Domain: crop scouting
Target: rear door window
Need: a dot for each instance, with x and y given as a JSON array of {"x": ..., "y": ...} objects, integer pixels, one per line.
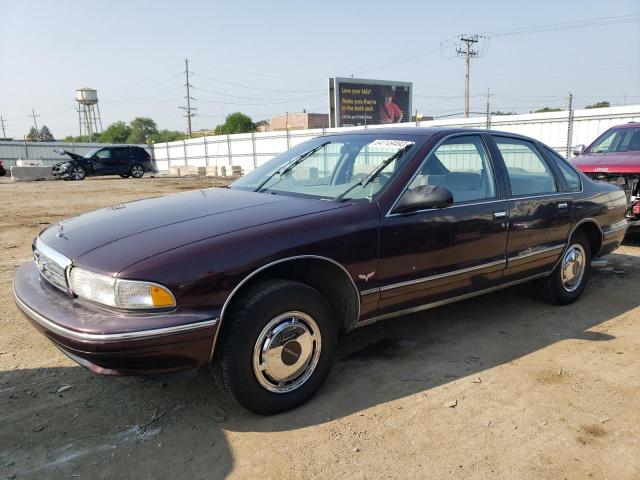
[{"x": 528, "y": 172}]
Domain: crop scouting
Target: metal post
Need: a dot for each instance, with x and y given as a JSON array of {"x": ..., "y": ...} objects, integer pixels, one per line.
[
  {"x": 488, "y": 112},
  {"x": 570, "y": 126},
  {"x": 206, "y": 150},
  {"x": 253, "y": 147},
  {"x": 229, "y": 150},
  {"x": 166, "y": 145},
  {"x": 26, "y": 148},
  {"x": 184, "y": 149},
  {"x": 288, "y": 134}
]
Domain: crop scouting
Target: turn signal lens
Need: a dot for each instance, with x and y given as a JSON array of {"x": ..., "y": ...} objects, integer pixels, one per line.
[{"x": 161, "y": 297}]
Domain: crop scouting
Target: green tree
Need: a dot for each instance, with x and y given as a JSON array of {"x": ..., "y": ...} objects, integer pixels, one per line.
[
  {"x": 33, "y": 135},
  {"x": 165, "y": 135},
  {"x": 235, "y": 123},
  {"x": 141, "y": 129},
  {"x": 117, "y": 132},
  {"x": 548, "y": 109},
  {"x": 46, "y": 135},
  {"x": 602, "y": 104}
]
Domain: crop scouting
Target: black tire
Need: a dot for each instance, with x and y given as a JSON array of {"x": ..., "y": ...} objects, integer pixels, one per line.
[
  {"x": 125, "y": 175},
  {"x": 235, "y": 352},
  {"x": 78, "y": 173},
  {"x": 137, "y": 171},
  {"x": 554, "y": 289}
]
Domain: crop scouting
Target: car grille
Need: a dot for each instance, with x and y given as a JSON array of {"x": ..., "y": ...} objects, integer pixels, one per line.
[{"x": 51, "y": 270}]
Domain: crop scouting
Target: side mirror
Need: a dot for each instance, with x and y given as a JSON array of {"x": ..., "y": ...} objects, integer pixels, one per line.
[
  {"x": 578, "y": 150},
  {"x": 421, "y": 198}
]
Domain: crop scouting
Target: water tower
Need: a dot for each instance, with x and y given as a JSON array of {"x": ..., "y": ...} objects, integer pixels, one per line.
[{"x": 88, "y": 111}]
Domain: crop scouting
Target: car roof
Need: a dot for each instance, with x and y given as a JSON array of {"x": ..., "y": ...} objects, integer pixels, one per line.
[
  {"x": 626, "y": 125},
  {"x": 426, "y": 131}
]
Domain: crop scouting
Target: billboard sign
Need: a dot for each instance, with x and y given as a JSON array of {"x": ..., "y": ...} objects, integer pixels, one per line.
[{"x": 358, "y": 101}]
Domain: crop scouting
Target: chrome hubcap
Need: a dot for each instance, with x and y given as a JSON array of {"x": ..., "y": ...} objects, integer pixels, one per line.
[
  {"x": 287, "y": 352},
  {"x": 573, "y": 267},
  {"x": 136, "y": 171}
]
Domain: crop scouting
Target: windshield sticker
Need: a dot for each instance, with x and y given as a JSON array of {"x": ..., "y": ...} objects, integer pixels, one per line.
[{"x": 391, "y": 143}]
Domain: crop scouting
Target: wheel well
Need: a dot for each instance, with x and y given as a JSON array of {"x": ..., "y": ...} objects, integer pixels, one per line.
[
  {"x": 594, "y": 234},
  {"x": 331, "y": 280}
]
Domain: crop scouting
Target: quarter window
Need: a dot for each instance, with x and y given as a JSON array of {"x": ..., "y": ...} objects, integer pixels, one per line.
[
  {"x": 461, "y": 165},
  {"x": 570, "y": 175},
  {"x": 528, "y": 172}
]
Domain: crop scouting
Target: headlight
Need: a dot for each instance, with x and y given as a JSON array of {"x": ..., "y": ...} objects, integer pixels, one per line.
[
  {"x": 65, "y": 165},
  {"x": 114, "y": 292}
]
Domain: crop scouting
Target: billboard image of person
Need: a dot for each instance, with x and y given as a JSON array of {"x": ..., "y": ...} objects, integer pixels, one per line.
[{"x": 388, "y": 111}]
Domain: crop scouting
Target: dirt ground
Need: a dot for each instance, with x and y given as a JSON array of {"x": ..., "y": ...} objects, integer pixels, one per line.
[{"x": 501, "y": 386}]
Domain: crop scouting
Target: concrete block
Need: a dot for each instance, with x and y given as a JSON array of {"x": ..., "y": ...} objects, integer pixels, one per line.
[{"x": 30, "y": 174}]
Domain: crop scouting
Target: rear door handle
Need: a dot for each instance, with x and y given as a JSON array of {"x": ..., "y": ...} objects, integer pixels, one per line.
[{"x": 499, "y": 215}]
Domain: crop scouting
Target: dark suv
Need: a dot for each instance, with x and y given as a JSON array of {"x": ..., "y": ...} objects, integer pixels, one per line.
[{"x": 126, "y": 161}]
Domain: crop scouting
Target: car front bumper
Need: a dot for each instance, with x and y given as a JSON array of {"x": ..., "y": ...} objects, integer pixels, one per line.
[{"x": 114, "y": 343}]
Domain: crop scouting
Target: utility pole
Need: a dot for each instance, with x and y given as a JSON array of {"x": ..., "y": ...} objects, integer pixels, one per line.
[
  {"x": 466, "y": 49},
  {"x": 34, "y": 116},
  {"x": 188, "y": 109},
  {"x": 570, "y": 126},
  {"x": 4, "y": 134}
]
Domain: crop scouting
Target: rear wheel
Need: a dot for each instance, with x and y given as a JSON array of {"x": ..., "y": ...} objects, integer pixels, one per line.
[
  {"x": 137, "y": 171},
  {"x": 278, "y": 348},
  {"x": 78, "y": 173},
  {"x": 569, "y": 279}
]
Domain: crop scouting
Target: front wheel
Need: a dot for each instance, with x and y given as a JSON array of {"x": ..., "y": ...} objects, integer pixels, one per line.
[
  {"x": 278, "y": 348},
  {"x": 569, "y": 279},
  {"x": 78, "y": 173},
  {"x": 137, "y": 171}
]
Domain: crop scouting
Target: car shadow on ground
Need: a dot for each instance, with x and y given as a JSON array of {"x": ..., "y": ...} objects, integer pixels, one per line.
[{"x": 105, "y": 427}]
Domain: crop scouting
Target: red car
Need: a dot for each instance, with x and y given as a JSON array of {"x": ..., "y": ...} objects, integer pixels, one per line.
[{"x": 614, "y": 157}]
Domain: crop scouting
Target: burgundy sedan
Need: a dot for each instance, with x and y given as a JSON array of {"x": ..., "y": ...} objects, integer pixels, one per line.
[{"x": 261, "y": 279}]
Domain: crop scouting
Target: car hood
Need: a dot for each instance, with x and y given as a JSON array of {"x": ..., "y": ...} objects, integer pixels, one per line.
[
  {"x": 110, "y": 239},
  {"x": 73, "y": 156},
  {"x": 616, "y": 162}
]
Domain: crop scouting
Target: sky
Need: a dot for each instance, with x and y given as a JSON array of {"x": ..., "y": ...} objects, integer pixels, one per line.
[{"x": 266, "y": 58}]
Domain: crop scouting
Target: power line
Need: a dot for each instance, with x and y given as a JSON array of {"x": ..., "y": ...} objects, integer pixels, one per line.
[{"x": 586, "y": 23}]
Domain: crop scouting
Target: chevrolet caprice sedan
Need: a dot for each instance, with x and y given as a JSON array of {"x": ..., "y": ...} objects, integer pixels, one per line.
[{"x": 262, "y": 278}]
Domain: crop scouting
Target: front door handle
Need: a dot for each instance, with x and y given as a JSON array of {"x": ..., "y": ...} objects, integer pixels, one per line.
[
  {"x": 499, "y": 215},
  {"x": 563, "y": 206}
]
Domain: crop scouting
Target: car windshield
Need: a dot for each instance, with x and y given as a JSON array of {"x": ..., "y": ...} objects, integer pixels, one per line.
[
  {"x": 621, "y": 140},
  {"x": 91, "y": 153},
  {"x": 333, "y": 167}
]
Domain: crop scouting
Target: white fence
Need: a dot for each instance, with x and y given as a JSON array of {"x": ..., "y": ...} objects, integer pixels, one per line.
[
  {"x": 250, "y": 150},
  {"x": 12, "y": 150}
]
